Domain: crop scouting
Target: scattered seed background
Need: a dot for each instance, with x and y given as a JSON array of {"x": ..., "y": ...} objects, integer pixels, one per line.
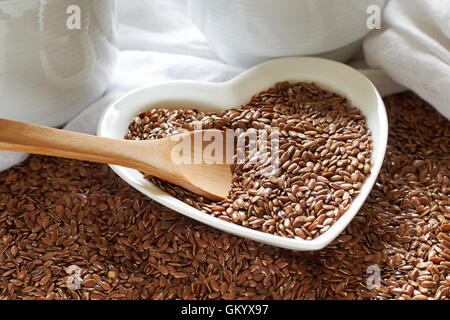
[{"x": 55, "y": 213}]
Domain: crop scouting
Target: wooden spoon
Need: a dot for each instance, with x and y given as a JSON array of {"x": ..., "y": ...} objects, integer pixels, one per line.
[{"x": 152, "y": 157}]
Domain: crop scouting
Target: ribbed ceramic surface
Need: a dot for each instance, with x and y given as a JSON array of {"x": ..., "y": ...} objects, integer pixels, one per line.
[
  {"x": 49, "y": 72},
  {"x": 270, "y": 28}
]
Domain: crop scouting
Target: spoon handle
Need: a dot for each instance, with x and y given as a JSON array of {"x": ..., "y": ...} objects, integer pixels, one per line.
[{"x": 29, "y": 138}]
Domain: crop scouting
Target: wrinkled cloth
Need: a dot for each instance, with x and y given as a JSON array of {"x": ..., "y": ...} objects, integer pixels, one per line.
[
  {"x": 413, "y": 48},
  {"x": 158, "y": 43}
]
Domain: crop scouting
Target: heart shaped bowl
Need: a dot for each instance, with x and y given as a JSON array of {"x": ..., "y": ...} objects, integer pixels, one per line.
[{"x": 330, "y": 75}]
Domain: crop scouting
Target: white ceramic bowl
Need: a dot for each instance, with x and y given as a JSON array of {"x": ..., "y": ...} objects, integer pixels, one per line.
[
  {"x": 246, "y": 32},
  {"x": 49, "y": 69},
  {"x": 335, "y": 76}
]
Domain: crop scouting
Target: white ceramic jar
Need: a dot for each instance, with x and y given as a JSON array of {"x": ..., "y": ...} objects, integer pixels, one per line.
[
  {"x": 56, "y": 57},
  {"x": 247, "y": 32}
]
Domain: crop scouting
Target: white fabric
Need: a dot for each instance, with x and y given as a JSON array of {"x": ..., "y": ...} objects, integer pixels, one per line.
[
  {"x": 413, "y": 47},
  {"x": 159, "y": 43}
]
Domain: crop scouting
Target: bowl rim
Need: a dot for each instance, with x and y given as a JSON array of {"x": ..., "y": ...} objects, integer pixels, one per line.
[{"x": 116, "y": 108}]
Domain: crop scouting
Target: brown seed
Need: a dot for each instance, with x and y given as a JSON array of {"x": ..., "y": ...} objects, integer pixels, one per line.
[
  {"x": 179, "y": 275},
  {"x": 45, "y": 279},
  {"x": 105, "y": 285},
  {"x": 89, "y": 283},
  {"x": 214, "y": 286}
]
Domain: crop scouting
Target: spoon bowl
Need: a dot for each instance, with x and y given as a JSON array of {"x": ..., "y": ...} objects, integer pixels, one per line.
[{"x": 208, "y": 97}]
